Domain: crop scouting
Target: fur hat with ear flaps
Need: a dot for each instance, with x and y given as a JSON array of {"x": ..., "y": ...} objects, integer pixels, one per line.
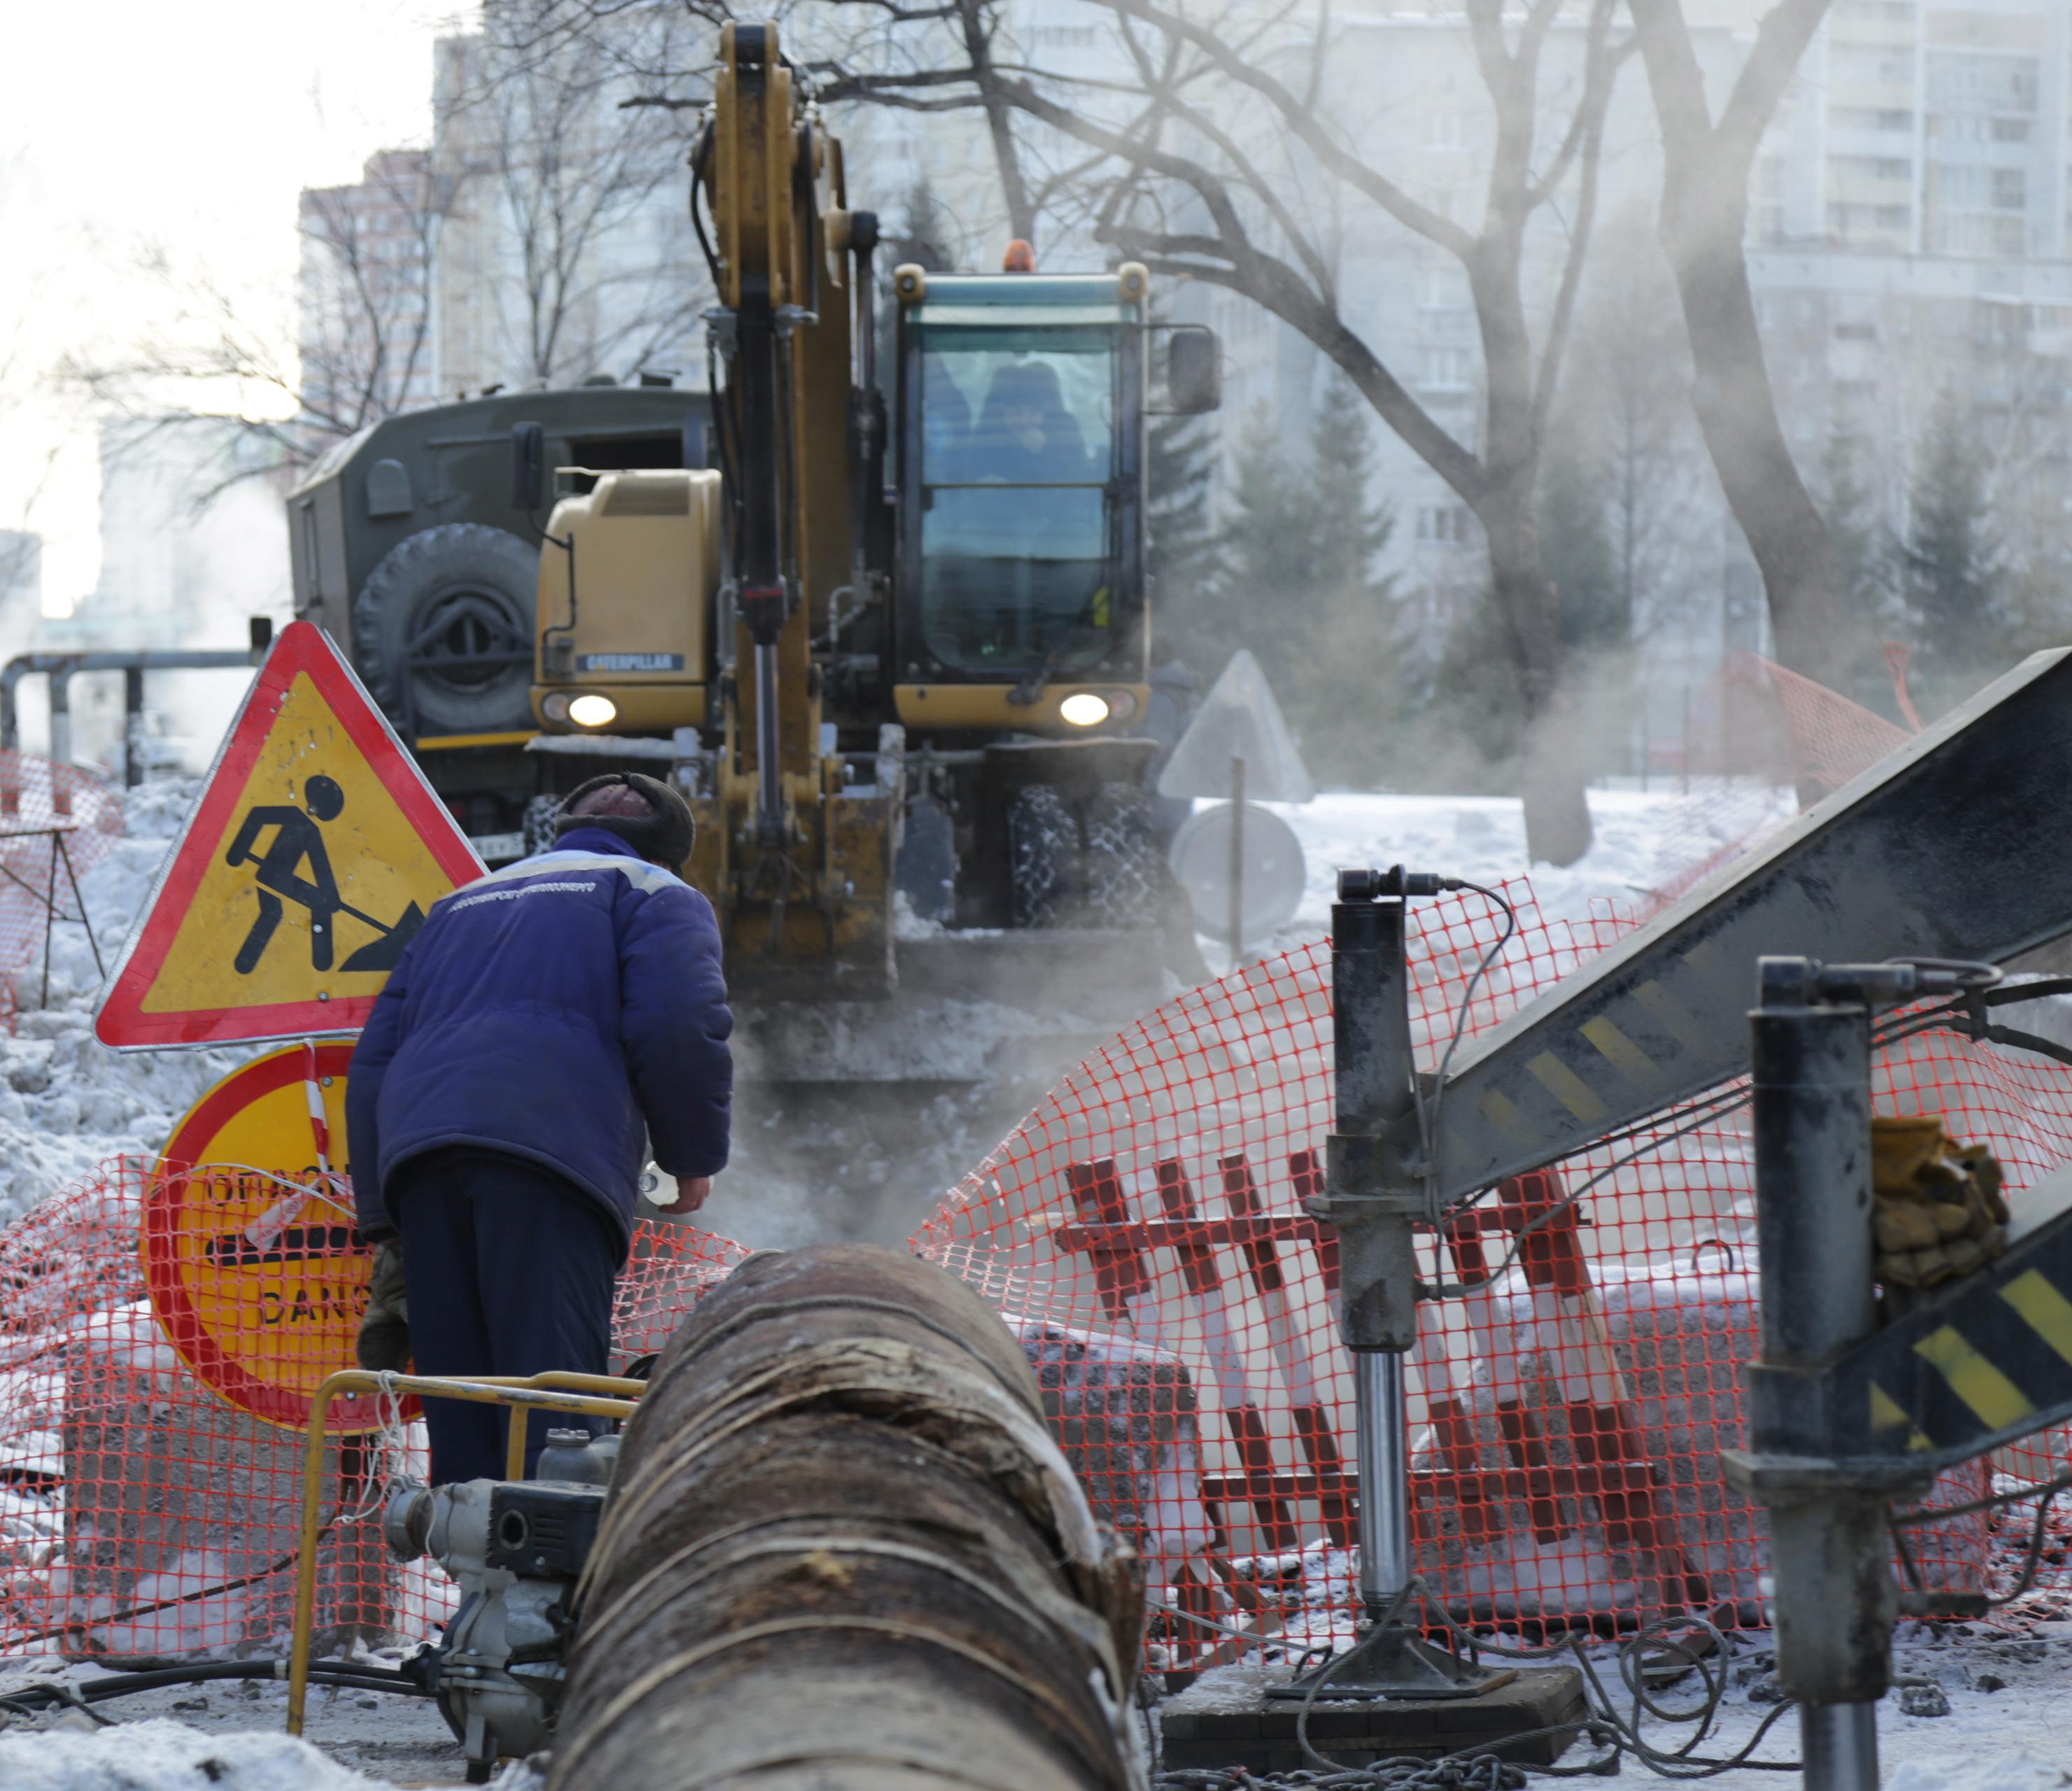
[{"x": 646, "y": 814}]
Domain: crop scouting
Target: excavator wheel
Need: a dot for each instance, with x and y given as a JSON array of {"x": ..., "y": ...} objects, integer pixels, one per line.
[
  {"x": 1125, "y": 884},
  {"x": 1043, "y": 857},
  {"x": 539, "y": 823}
]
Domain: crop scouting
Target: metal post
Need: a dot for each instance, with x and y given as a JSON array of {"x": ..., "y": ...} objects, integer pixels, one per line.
[
  {"x": 60, "y": 682},
  {"x": 133, "y": 726},
  {"x": 1838, "y": 1745},
  {"x": 1373, "y": 1196},
  {"x": 1237, "y": 861},
  {"x": 1810, "y": 1057},
  {"x": 1384, "y": 1478}
]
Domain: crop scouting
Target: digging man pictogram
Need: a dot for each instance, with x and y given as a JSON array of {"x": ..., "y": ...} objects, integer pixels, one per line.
[{"x": 298, "y": 840}]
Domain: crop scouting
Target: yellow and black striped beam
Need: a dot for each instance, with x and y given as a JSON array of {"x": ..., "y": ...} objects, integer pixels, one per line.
[
  {"x": 1986, "y": 1361},
  {"x": 1938, "y": 851}
]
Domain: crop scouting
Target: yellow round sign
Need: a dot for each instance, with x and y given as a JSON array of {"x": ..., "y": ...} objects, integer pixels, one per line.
[{"x": 248, "y": 1247}]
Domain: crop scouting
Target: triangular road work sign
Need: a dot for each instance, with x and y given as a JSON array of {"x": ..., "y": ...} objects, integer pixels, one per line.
[
  {"x": 1237, "y": 719},
  {"x": 311, "y": 859}
]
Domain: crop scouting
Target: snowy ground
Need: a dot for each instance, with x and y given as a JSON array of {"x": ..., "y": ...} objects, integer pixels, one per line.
[
  {"x": 65, "y": 1103},
  {"x": 2003, "y": 1725},
  {"x": 1481, "y": 839}
]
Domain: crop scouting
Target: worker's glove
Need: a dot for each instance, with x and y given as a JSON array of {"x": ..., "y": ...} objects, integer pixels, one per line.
[
  {"x": 384, "y": 1332},
  {"x": 1937, "y": 1213}
]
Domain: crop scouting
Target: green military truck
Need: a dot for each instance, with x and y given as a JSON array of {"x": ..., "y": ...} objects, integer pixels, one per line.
[{"x": 409, "y": 547}]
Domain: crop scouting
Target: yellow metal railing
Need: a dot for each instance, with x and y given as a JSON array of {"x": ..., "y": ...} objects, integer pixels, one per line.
[{"x": 588, "y": 1395}]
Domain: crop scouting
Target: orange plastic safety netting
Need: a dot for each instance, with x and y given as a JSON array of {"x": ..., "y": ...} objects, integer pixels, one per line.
[
  {"x": 1142, "y": 1231},
  {"x": 143, "y": 1515},
  {"x": 56, "y": 823}
]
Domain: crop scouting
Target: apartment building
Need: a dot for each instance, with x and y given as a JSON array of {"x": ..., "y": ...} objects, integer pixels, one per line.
[{"x": 364, "y": 327}]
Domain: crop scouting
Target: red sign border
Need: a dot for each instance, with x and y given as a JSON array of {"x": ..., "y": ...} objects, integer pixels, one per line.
[
  {"x": 300, "y": 648},
  {"x": 172, "y": 1304}
]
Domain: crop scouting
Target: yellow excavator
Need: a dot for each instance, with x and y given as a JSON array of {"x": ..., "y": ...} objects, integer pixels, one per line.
[
  {"x": 885, "y": 649},
  {"x": 952, "y": 663}
]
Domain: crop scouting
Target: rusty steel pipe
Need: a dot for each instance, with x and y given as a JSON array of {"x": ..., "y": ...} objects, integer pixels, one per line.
[{"x": 842, "y": 1553}]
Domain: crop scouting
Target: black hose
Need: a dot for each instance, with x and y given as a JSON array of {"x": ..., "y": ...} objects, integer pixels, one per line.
[{"x": 42, "y": 1694}]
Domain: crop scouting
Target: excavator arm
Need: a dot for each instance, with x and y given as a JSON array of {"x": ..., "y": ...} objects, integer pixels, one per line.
[
  {"x": 801, "y": 858},
  {"x": 1950, "y": 848}
]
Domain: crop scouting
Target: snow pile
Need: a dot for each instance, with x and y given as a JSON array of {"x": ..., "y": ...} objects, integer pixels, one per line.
[
  {"x": 67, "y": 1102},
  {"x": 163, "y": 1755},
  {"x": 1643, "y": 841}
]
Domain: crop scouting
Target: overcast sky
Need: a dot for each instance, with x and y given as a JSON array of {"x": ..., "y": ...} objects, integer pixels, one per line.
[{"x": 194, "y": 124}]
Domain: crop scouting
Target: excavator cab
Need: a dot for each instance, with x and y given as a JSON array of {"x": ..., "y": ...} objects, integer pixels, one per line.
[
  {"x": 1018, "y": 582},
  {"x": 905, "y": 664}
]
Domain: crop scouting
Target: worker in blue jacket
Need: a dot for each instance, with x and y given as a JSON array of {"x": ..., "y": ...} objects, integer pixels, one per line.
[{"x": 551, "y": 1025}]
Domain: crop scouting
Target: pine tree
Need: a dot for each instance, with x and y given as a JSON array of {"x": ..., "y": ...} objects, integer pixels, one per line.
[
  {"x": 1296, "y": 585},
  {"x": 928, "y": 236},
  {"x": 1181, "y": 547},
  {"x": 1596, "y": 607},
  {"x": 1352, "y": 530},
  {"x": 1950, "y": 566},
  {"x": 1860, "y": 567}
]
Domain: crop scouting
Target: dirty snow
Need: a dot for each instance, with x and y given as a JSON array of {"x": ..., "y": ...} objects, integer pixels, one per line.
[{"x": 159, "y": 1755}]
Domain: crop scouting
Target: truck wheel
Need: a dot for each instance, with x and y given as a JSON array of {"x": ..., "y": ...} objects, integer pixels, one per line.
[
  {"x": 1043, "y": 854},
  {"x": 437, "y": 599},
  {"x": 1124, "y": 887}
]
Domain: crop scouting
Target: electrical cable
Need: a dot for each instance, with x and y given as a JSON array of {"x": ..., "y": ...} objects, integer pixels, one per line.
[
  {"x": 2045, "y": 1492},
  {"x": 1696, "y": 1641},
  {"x": 29, "y": 1698},
  {"x": 1940, "y": 1514},
  {"x": 1427, "y": 1124}
]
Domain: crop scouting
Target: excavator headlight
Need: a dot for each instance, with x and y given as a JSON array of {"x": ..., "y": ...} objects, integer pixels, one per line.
[
  {"x": 1084, "y": 709},
  {"x": 593, "y": 709}
]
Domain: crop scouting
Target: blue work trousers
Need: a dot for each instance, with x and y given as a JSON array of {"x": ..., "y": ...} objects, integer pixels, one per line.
[{"x": 510, "y": 1270}]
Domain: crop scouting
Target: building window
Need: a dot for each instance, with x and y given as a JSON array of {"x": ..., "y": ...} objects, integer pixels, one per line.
[
  {"x": 1443, "y": 524},
  {"x": 1445, "y": 368},
  {"x": 1982, "y": 82},
  {"x": 1856, "y": 332},
  {"x": 1451, "y": 129}
]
